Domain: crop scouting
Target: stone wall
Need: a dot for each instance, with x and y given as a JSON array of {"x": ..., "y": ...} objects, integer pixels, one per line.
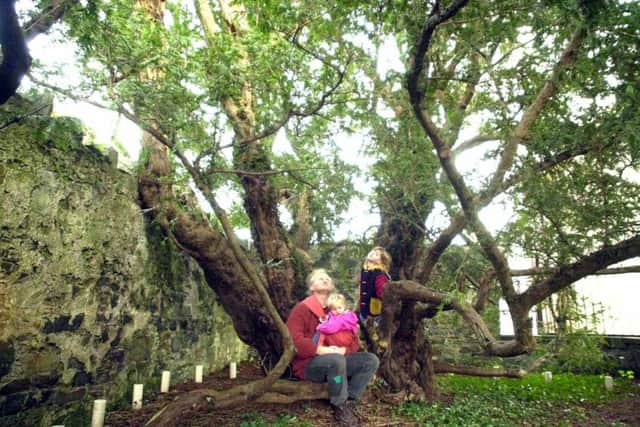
[{"x": 92, "y": 298}]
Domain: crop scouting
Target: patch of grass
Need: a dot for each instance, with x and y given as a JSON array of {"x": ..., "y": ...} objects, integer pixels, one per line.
[{"x": 508, "y": 402}]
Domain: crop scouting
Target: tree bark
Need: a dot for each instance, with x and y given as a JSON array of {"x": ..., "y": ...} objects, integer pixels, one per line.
[
  {"x": 269, "y": 235},
  {"x": 407, "y": 361},
  {"x": 401, "y": 233},
  {"x": 51, "y": 14},
  {"x": 590, "y": 264},
  {"x": 281, "y": 392}
]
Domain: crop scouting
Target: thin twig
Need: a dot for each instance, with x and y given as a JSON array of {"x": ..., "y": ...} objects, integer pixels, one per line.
[{"x": 19, "y": 118}]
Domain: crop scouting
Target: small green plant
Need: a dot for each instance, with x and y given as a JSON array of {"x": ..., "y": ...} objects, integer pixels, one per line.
[{"x": 626, "y": 374}]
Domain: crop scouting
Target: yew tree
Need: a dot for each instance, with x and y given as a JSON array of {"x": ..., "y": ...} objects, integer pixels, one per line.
[
  {"x": 548, "y": 91},
  {"x": 543, "y": 95}
]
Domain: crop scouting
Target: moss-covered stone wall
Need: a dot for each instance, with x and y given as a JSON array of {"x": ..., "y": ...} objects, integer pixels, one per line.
[{"x": 92, "y": 298}]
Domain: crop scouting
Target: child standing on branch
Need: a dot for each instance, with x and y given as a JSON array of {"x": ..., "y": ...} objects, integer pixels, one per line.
[
  {"x": 341, "y": 327},
  {"x": 373, "y": 278}
]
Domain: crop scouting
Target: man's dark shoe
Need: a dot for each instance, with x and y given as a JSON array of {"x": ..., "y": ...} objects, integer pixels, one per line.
[
  {"x": 354, "y": 408},
  {"x": 344, "y": 415}
]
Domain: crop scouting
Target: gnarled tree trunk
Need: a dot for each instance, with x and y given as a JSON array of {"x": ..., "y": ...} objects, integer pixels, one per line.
[
  {"x": 407, "y": 363},
  {"x": 283, "y": 269},
  {"x": 401, "y": 233},
  {"x": 210, "y": 249}
]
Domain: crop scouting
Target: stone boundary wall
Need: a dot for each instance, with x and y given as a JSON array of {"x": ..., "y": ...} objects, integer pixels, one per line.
[{"x": 92, "y": 298}]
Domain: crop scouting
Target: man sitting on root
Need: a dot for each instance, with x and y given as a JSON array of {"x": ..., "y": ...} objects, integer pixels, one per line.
[{"x": 346, "y": 370}]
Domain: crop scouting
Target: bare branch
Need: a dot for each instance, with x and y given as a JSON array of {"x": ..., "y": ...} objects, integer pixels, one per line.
[
  {"x": 438, "y": 247},
  {"x": 407, "y": 290},
  {"x": 455, "y": 123},
  {"x": 474, "y": 142},
  {"x": 482, "y": 297},
  {"x": 261, "y": 173},
  {"x": 586, "y": 266},
  {"x": 436, "y": 18},
  {"x": 283, "y": 392},
  {"x": 46, "y": 18},
  {"x": 545, "y": 271},
  {"x": 446, "y": 368},
  {"x": 22, "y": 117}
]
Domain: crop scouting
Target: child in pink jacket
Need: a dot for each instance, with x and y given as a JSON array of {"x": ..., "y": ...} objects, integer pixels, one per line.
[{"x": 341, "y": 327}]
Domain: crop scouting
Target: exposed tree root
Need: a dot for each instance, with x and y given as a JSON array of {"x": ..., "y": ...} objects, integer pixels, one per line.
[
  {"x": 446, "y": 368},
  {"x": 443, "y": 367},
  {"x": 284, "y": 392}
]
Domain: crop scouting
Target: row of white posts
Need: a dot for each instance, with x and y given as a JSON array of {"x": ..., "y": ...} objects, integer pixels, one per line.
[
  {"x": 608, "y": 380},
  {"x": 100, "y": 405}
]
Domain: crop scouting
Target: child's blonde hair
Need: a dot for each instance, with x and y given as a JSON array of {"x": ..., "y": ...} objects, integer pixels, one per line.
[
  {"x": 385, "y": 258},
  {"x": 336, "y": 300}
]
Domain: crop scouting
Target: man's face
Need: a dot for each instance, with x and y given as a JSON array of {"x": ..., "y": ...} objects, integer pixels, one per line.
[{"x": 321, "y": 282}]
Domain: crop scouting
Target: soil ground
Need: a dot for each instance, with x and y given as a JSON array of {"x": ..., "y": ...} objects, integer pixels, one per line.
[{"x": 375, "y": 409}]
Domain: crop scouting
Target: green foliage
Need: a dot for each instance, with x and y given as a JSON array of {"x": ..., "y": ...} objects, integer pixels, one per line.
[
  {"x": 508, "y": 402},
  {"x": 589, "y": 202},
  {"x": 628, "y": 374},
  {"x": 315, "y": 167},
  {"x": 178, "y": 78},
  {"x": 580, "y": 351},
  {"x": 238, "y": 217}
]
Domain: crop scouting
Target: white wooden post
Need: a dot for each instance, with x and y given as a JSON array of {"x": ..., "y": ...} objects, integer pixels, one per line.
[
  {"x": 166, "y": 380},
  {"x": 99, "y": 409},
  {"x": 608, "y": 383},
  {"x": 233, "y": 370},
  {"x": 137, "y": 396},
  {"x": 198, "y": 373},
  {"x": 548, "y": 376}
]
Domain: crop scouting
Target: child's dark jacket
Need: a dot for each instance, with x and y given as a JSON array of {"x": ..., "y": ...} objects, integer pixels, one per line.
[{"x": 372, "y": 283}]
